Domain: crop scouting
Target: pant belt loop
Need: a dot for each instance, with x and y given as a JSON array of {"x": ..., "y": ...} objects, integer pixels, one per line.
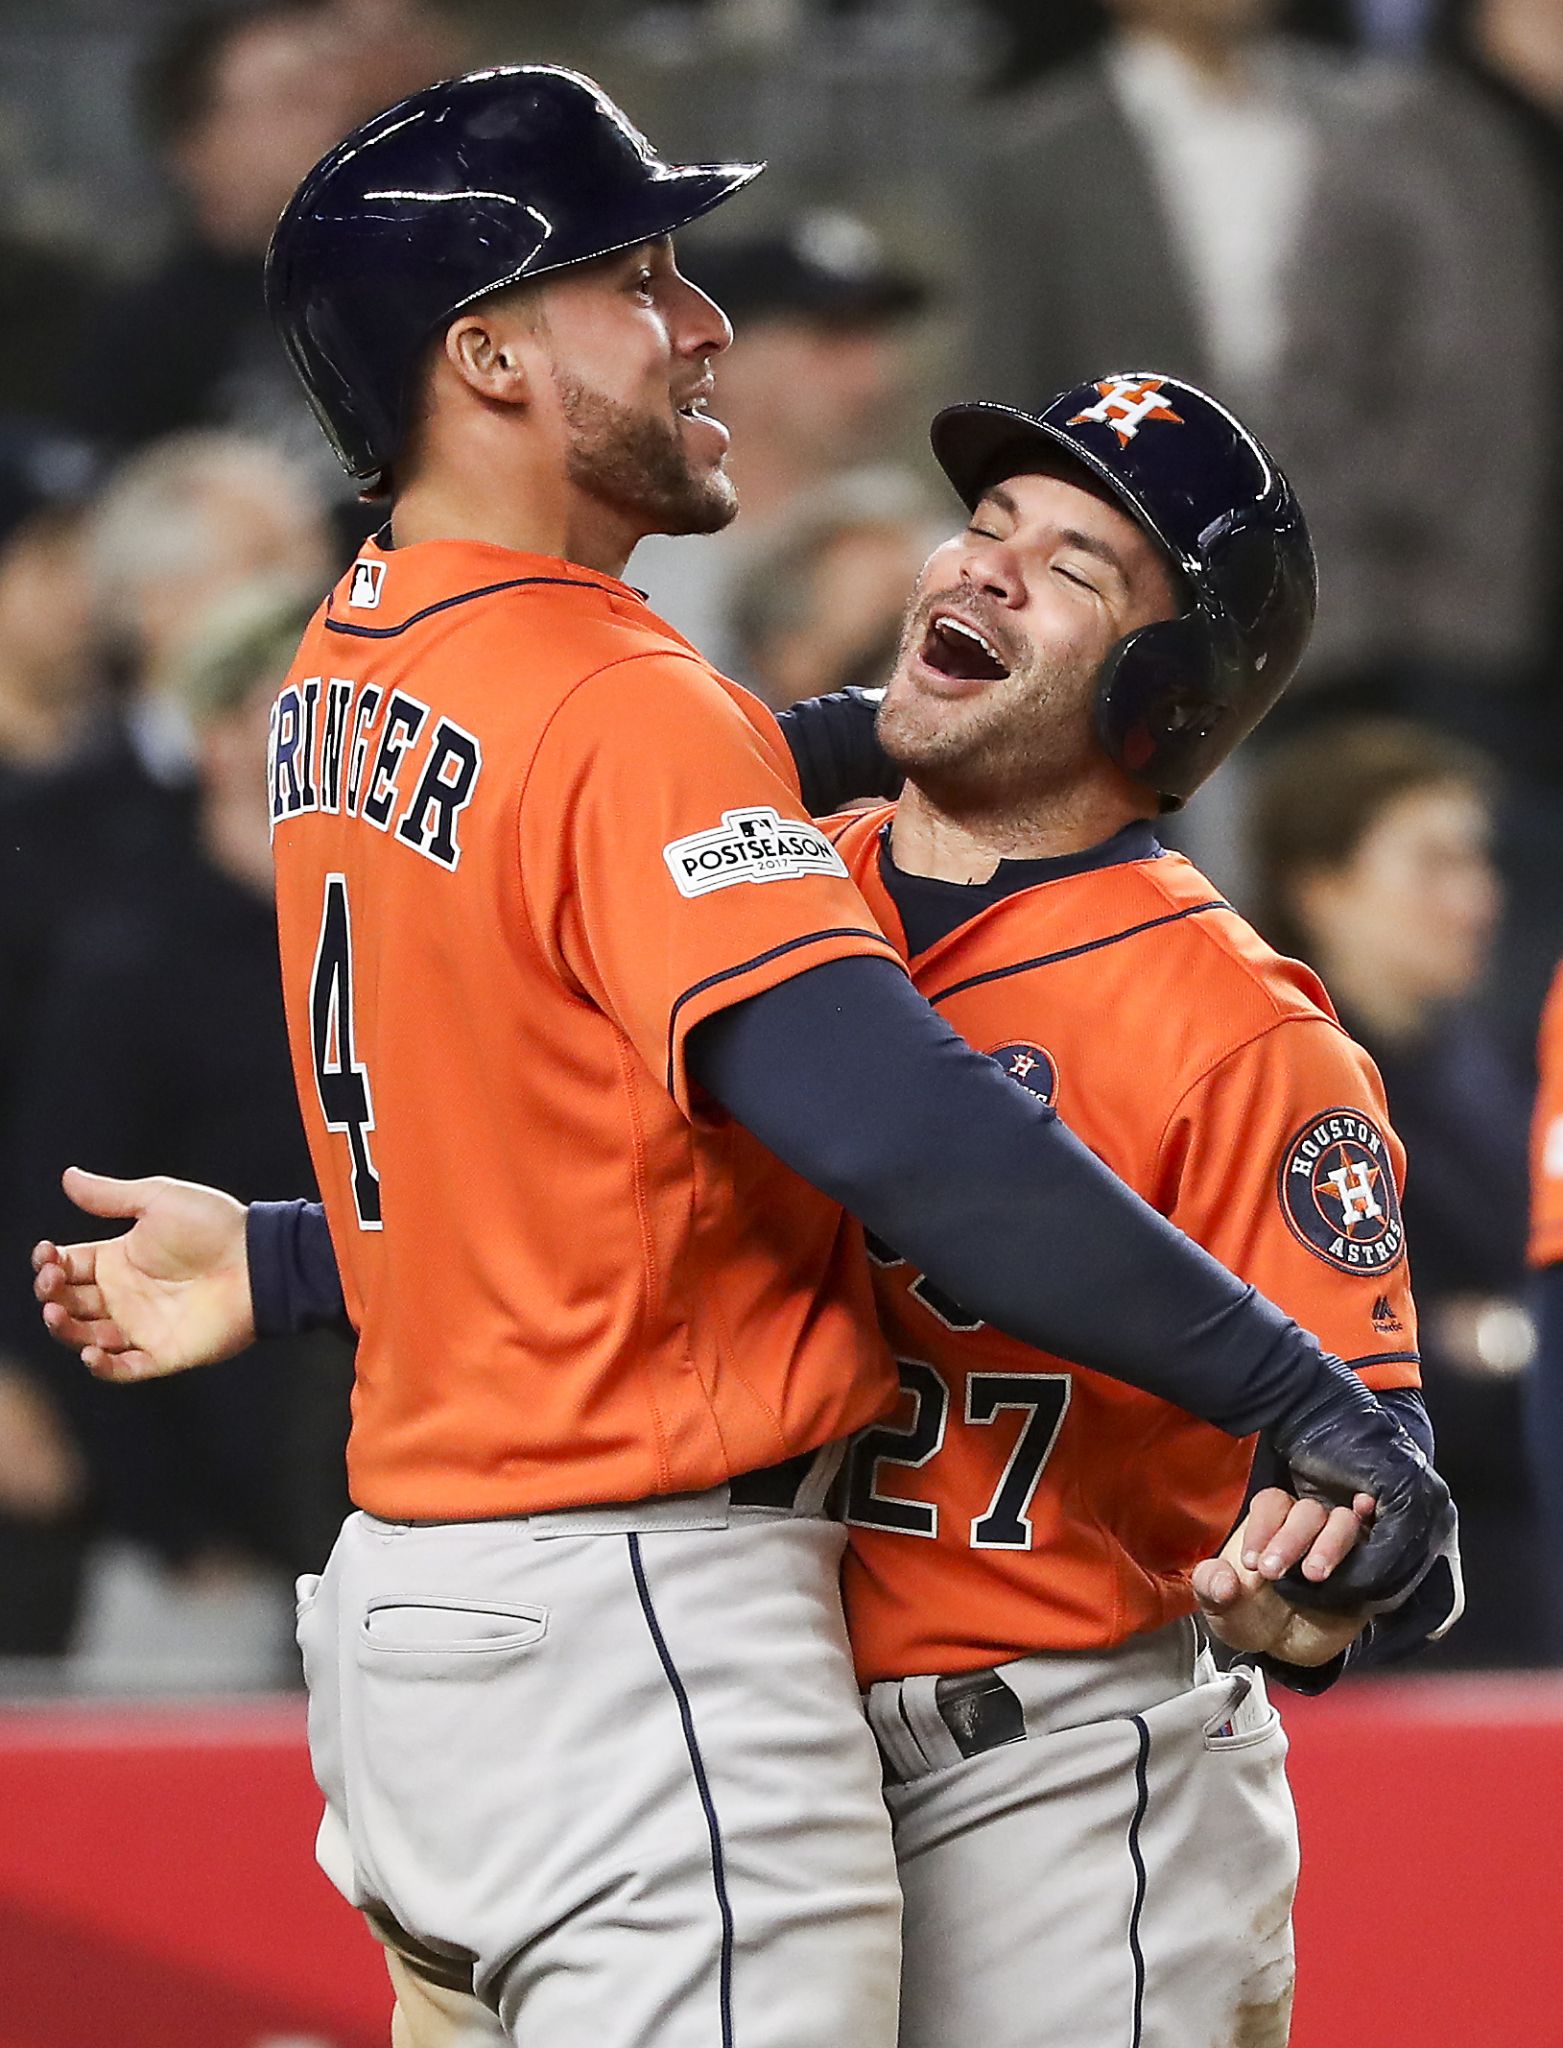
[
  {"x": 903, "y": 1759},
  {"x": 919, "y": 1705},
  {"x": 815, "y": 1490}
]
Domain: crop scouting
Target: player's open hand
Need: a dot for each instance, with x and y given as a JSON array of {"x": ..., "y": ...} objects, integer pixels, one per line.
[
  {"x": 1242, "y": 1606},
  {"x": 172, "y": 1292}
]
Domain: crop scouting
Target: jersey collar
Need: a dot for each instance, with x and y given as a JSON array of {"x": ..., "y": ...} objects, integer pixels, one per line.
[
  {"x": 387, "y": 588},
  {"x": 1135, "y": 841},
  {"x": 930, "y": 908}
]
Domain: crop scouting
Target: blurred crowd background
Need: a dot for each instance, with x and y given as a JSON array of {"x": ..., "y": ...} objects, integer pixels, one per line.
[{"x": 1344, "y": 216}]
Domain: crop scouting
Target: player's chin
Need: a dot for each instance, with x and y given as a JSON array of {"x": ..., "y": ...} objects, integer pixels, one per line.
[
  {"x": 916, "y": 738},
  {"x": 708, "y": 502}
]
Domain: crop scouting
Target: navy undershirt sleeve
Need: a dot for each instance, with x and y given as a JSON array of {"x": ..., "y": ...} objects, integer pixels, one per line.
[
  {"x": 847, "y": 1075},
  {"x": 836, "y": 751},
  {"x": 294, "y": 1282}
]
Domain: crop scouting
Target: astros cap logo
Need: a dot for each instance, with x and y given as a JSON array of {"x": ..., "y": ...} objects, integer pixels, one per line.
[
  {"x": 1338, "y": 1193},
  {"x": 1126, "y": 404}
]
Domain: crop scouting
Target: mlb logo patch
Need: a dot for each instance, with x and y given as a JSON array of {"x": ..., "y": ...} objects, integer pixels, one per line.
[{"x": 364, "y": 591}]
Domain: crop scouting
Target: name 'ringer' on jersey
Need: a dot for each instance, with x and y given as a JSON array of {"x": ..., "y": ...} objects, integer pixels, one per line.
[
  {"x": 1546, "y": 1135},
  {"x": 526, "y": 839},
  {"x": 1016, "y": 1502}
]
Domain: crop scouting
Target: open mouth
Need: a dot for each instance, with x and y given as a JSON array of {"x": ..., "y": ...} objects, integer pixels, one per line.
[{"x": 954, "y": 647}]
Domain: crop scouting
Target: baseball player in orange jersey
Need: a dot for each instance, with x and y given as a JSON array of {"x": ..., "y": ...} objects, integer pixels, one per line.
[
  {"x": 1095, "y": 1839},
  {"x": 1546, "y": 1156},
  {"x": 590, "y": 1025},
  {"x": 1544, "y": 1412}
]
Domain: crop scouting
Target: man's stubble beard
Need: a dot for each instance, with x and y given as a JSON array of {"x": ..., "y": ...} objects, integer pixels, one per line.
[
  {"x": 1034, "y": 744},
  {"x": 637, "y": 464}
]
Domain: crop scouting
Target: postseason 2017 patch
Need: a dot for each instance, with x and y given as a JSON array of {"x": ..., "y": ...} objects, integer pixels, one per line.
[
  {"x": 1337, "y": 1190},
  {"x": 753, "y": 845}
]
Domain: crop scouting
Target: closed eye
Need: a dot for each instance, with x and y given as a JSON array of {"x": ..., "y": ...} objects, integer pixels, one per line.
[{"x": 1074, "y": 576}]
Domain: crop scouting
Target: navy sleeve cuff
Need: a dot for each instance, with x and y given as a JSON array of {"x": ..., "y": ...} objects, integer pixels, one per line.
[{"x": 294, "y": 1283}]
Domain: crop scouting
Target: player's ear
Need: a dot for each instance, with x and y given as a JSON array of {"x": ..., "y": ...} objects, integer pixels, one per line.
[{"x": 489, "y": 353}]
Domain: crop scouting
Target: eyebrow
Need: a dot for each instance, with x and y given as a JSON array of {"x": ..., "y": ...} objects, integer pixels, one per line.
[{"x": 1071, "y": 536}]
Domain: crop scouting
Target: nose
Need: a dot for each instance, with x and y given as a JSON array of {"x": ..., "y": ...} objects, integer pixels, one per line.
[
  {"x": 993, "y": 567},
  {"x": 702, "y": 328}
]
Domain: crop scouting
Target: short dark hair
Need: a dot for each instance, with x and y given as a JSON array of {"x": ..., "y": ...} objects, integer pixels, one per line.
[
  {"x": 1319, "y": 795},
  {"x": 178, "y": 80}
]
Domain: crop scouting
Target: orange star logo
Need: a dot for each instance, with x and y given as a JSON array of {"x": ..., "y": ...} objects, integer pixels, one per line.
[{"x": 1126, "y": 404}]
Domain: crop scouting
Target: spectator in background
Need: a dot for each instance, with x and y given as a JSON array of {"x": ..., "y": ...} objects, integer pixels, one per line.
[
  {"x": 50, "y": 675},
  {"x": 1371, "y": 849},
  {"x": 43, "y": 294},
  {"x": 392, "y": 47},
  {"x": 1426, "y": 299},
  {"x": 1348, "y": 248},
  {"x": 1142, "y": 207},
  {"x": 161, "y": 1035},
  {"x": 821, "y": 609},
  {"x": 237, "y": 105},
  {"x": 179, "y": 526},
  {"x": 1513, "y": 52},
  {"x": 824, "y": 320}
]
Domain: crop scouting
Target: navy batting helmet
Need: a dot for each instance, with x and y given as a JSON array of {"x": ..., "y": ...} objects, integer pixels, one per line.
[
  {"x": 465, "y": 187},
  {"x": 1173, "y": 699}
]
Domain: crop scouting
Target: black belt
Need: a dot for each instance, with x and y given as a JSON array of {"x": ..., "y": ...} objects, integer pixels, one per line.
[
  {"x": 773, "y": 1486},
  {"x": 980, "y": 1711}
]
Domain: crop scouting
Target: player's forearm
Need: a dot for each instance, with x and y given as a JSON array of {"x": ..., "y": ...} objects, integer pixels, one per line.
[
  {"x": 294, "y": 1282},
  {"x": 847, "y": 1075},
  {"x": 836, "y": 751}
]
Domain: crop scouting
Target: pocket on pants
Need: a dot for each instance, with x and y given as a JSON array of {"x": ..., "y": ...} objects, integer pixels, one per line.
[
  {"x": 394, "y": 1627},
  {"x": 1248, "y": 1717}
]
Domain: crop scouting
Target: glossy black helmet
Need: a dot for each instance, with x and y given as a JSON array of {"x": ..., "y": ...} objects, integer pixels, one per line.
[
  {"x": 465, "y": 187},
  {"x": 1174, "y": 698}
]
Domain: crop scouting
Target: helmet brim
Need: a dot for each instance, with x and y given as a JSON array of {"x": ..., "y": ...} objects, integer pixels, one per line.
[
  {"x": 979, "y": 444},
  {"x": 686, "y": 193}
]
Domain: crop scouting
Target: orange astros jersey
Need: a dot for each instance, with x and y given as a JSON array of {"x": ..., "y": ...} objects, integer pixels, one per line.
[
  {"x": 525, "y": 841},
  {"x": 1546, "y": 1137},
  {"x": 1016, "y": 1502}
]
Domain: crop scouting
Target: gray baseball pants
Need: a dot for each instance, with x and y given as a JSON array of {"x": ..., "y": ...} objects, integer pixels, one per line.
[
  {"x": 1118, "y": 1875},
  {"x": 601, "y": 1779}
]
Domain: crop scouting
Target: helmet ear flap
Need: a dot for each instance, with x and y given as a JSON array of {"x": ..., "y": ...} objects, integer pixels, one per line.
[{"x": 1161, "y": 711}]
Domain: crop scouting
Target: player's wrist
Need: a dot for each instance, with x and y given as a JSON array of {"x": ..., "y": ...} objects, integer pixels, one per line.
[{"x": 1338, "y": 1441}]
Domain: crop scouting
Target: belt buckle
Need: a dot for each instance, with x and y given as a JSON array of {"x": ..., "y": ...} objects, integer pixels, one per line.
[{"x": 980, "y": 1711}]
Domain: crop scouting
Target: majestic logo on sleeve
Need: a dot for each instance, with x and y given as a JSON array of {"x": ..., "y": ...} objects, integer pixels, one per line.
[
  {"x": 749, "y": 846},
  {"x": 1337, "y": 1191},
  {"x": 1126, "y": 404},
  {"x": 1030, "y": 1066}
]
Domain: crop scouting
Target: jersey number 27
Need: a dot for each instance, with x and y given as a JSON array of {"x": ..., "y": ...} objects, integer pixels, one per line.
[
  {"x": 1039, "y": 1398},
  {"x": 340, "y": 1077}
]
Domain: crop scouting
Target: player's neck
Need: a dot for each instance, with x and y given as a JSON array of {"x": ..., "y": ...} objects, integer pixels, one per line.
[
  {"x": 951, "y": 844},
  {"x": 538, "y": 513}
]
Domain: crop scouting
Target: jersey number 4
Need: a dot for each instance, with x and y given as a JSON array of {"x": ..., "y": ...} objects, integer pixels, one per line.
[
  {"x": 341, "y": 1078},
  {"x": 1039, "y": 1397}
]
